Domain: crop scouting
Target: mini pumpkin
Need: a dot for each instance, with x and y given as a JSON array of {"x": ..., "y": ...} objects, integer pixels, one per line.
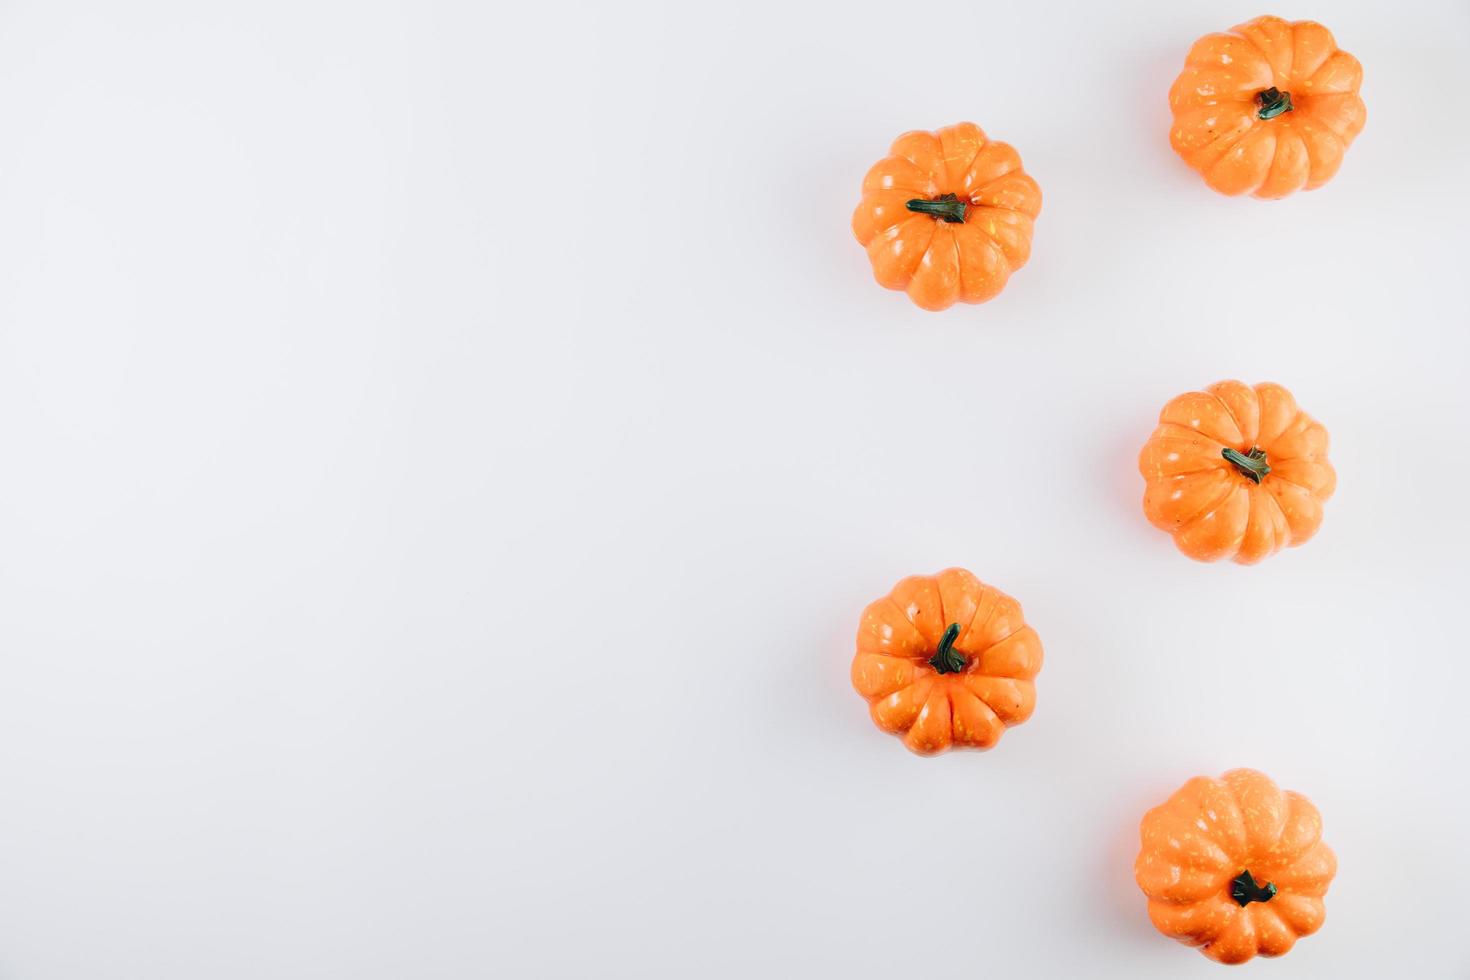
[
  {"x": 1268, "y": 108},
  {"x": 946, "y": 661},
  {"x": 947, "y": 216},
  {"x": 1235, "y": 866},
  {"x": 1236, "y": 472}
]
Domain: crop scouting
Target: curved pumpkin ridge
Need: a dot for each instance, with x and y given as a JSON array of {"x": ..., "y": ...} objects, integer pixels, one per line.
[
  {"x": 1310, "y": 874},
  {"x": 917, "y": 598},
  {"x": 1273, "y": 937},
  {"x": 1230, "y": 51},
  {"x": 1194, "y": 924},
  {"x": 1236, "y": 943},
  {"x": 1314, "y": 474},
  {"x": 1300, "y": 833},
  {"x": 1303, "y": 512},
  {"x": 1216, "y": 534},
  {"x": 1273, "y": 37},
  {"x": 1173, "y": 502},
  {"x": 1302, "y": 914},
  {"x": 885, "y": 629},
  {"x": 936, "y": 282},
  {"x": 1017, "y": 192},
  {"x": 1008, "y": 230},
  {"x": 923, "y": 151},
  {"x": 879, "y": 211},
  {"x": 1278, "y": 520},
  {"x": 1209, "y": 85},
  {"x": 1324, "y": 151},
  {"x": 1018, "y": 656},
  {"x": 1004, "y": 621},
  {"x": 1304, "y": 438},
  {"x": 896, "y": 173},
  {"x": 1312, "y": 44},
  {"x": 1259, "y": 796},
  {"x": 1179, "y": 884},
  {"x": 931, "y": 731},
  {"x": 1241, "y": 405},
  {"x": 957, "y": 603},
  {"x": 1204, "y": 413},
  {"x": 1290, "y": 167},
  {"x": 960, "y": 145},
  {"x": 974, "y": 722},
  {"x": 875, "y": 675},
  {"x": 897, "y": 252},
  {"x": 984, "y": 606},
  {"x": 897, "y": 712},
  {"x": 1343, "y": 115},
  {"x": 993, "y": 163},
  {"x": 1242, "y": 169},
  {"x": 1204, "y": 135},
  {"x": 1175, "y": 450},
  {"x": 1340, "y": 74},
  {"x": 1260, "y": 538},
  {"x": 1177, "y": 839},
  {"x": 1011, "y": 700},
  {"x": 1214, "y": 802},
  {"x": 983, "y": 267},
  {"x": 1278, "y": 411}
]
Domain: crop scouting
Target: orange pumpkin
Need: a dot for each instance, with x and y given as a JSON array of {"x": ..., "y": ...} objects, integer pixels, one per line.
[
  {"x": 1267, "y": 109},
  {"x": 947, "y": 216},
  {"x": 1235, "y": 866},
  {"x": 946, "y": 661},
  {"x": 1236, "y": 472}
]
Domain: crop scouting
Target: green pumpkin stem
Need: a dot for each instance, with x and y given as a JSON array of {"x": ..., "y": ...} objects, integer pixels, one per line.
[
  {"x": 1251, "y": 465},
  {"x": 1273, "y": 102},
  {"x": 947, "y": 207},
  {"x": 947, "y": 659},
  {"x": 1244, "y": 890}
]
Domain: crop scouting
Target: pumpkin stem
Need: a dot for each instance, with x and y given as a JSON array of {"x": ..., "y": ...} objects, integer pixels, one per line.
[
  {"x": 947, "y": 659},
  {"x": 1251, "y": 465},
  {"x": 1273, "y": 102},
  {"x": 946, "y": 206},
  {"x": 1244, "y": 890}
]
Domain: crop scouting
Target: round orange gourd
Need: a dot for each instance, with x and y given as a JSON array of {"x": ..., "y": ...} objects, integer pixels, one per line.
[
  {"x": 947, "y": 216},
  {"x": 1267, "y": 109},
  {"x": 1235, "y": 866},
  {"x": 1236, "y": 472},
  {"x": 946, "y": 661}
]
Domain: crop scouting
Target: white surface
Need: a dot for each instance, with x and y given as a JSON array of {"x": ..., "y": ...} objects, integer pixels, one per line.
[{"x": 446, "y": 453}]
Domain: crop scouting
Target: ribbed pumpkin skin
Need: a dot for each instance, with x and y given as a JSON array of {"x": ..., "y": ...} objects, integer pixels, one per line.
[
  {"x": 1212, "y": 509},
  {"x": 937, "y": 262},
  {"x": 1217, "y": 103},
  {"x": 1194, "y": 845},
  {"x": 933, "y": 711}
]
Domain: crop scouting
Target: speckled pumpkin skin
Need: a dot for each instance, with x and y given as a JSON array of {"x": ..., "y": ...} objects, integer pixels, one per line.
[
  {"x": 1225, "y": 128},
  {"x": 1212, "y": 830},
  {"x": 936, "y": 262},
  {"x": 931, "y": 711},
  {"x": 1213, "y": 510}
]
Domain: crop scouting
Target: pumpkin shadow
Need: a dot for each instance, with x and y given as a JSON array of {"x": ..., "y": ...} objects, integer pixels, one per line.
[
  {"x": 1113, "y": 887},
  {"x": 1114, "y": 466},
  {"x": 1152, "y": 72}
]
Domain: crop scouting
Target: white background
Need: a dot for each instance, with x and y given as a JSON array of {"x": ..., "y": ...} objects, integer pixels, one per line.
[{"x": 446, "y": 450}]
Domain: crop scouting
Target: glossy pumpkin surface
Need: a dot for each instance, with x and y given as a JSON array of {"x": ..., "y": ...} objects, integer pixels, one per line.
[
  {"x": 1236, "y": 472},
  {"x": 1235, "y": 866},
  {"x": 947, "y": 216},
  {"x": 946, "y": 661},
  {"x": 1268, "y": 108}
]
